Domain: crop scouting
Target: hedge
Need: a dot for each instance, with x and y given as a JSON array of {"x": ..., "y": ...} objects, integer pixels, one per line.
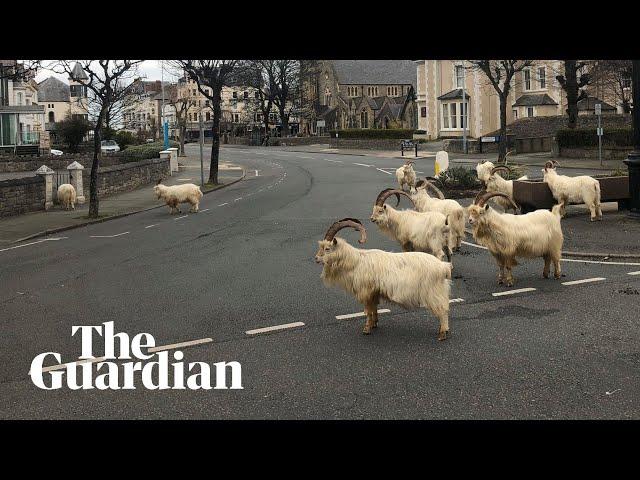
[
  {"x": 144, "y": 152},
  {"x": 404, "y": 133},
  {"x": 587, "y": 137}
]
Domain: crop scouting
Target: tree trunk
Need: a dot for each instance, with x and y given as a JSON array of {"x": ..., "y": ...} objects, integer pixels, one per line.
[
  {"x": 93, "y": 179},
  {"x": 215, "y": 142},
  {"x": 182, "y": 132},
  {"x": 571, "y": 88},
  {"x": 502, "y": 146},
  {"x": 284, "y": 120}
]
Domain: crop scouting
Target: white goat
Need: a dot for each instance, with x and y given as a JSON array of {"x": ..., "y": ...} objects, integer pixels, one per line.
[
  {"x": 176, "y": 194},
  {"x": 581, "y": 189},
  {"x": 457, "y": 214},
  {"x": 415, "y": 231},
  {"x": 410, "y": 279},
  {"x": 488, "y": 174},
  {"x": 507, "y": 236},
  {"x": 406, "y": 175},
  {"x": 67, "y": 196}
]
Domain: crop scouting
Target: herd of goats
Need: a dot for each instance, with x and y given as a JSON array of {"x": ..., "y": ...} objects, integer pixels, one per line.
[{"x": 418, "y": 276}]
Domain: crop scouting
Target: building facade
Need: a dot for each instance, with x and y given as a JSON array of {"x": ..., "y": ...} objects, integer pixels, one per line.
[{"x": 56, "y": 98}]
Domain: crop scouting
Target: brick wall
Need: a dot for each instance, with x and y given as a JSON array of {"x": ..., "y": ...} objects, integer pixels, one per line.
[
  {"x": 126, "y": 177},
  {"x": 21, "y": 195}
]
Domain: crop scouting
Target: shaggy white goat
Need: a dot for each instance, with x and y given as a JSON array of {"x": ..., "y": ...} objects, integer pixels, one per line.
[
  {"x": 67, "y": 196},
  {"x": 457, "y": 214},
  {"x": 581, "y": 189},
  {"x": 507, "y": 236},
  {"x": 415, "y": 231},
  {"x": 410, "y": 279},
  {"x": 406, "y": 175},
  {"x": 177, "y": 194},
  {"x": 488, "y": 174}
]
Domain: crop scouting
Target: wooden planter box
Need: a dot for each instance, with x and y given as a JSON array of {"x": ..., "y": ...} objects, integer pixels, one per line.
[{"x": 535, "y": 194}]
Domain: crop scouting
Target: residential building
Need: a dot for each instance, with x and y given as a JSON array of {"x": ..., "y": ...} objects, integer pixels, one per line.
[
  {"x": 21, "y": 118},
  {"x": 55, "y": 96},
  {"x": 360, "y": 94},
  {"x": 143, "y": 113}
]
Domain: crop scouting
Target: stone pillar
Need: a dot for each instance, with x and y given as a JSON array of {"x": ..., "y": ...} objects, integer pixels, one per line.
[
  {"x": 75, "y": 178},
  {"x": 47, "y": 174},
  {"x": 174, "y": 158},
  {"x": 166, "y": 154}
]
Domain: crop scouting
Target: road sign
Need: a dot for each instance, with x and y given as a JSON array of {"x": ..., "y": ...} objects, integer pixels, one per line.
[
  {"x": 320, "y": 123},
  {"x": 598, "y": 109},
  {"x": 600, "y": 131},
  {"x": 488, "y": 139}
]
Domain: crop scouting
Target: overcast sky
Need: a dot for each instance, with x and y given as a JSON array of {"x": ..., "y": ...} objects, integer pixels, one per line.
[{"x": 149, "y": 68}]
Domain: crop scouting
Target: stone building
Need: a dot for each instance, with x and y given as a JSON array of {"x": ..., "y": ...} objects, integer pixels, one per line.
[
  {"x": 359, "y": 94},
  {"x": 56, "y": 98}
]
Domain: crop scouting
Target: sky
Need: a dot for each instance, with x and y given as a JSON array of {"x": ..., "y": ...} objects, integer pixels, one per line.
[{"x": 149, "y": 68}]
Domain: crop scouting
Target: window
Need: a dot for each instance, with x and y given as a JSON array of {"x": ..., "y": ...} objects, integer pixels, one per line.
[
  {"x": 452, "y": 112},
  {"x": 19, "y": 98},
  {"x": 235, "y": 94},
  {"x": 454, "y": 115},
  {"x": 364, "y": 119},
  {"x": 626, "y": 82},
  {"x": 423, "y": 112},
  {"x": 246, "y": 94},
  {"x": 236, "y": 117},
  {"x": 542, "y": 77},
  {"x": 208, "y": 116},
  {"x": 530, "y": 112},
  {"x": 527, "y": 79},
  {"x": 515, "y": 114},
  {"x": 51, "y": 117},
  {"x": 257, "y": 94},
  {"x": 459, "y": 76},
  {"x": 445, "y": 115}
]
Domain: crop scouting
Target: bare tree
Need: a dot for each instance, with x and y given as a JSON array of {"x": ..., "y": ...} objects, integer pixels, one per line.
[
  {"x": 285, "y": 84},
  {"x": 309, "y": 98},
  {"x": 211, "y": 76},
  {"x": 106, "y": 82},
  {"x": 614, "y": 77},
  {"x": 500, "y": 74},
  {"x": 260, "y": 75},
  {"x": 180, "y": 101},
  {"x": 574, "y": 86},
  {"x": 19, "y": 71}
]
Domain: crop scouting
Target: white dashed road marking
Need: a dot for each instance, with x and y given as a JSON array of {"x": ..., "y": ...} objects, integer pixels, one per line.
[
  {"x": 109, "y": 236},
  {"x": 363, "y": 164},
  {"x": 359, "y": 314},
  {"x": 456, "y": 300},
  {"x": 586, "y": 280},
  {"x": 149, "y": 226},
  {"x": 204, "y": 210},
  {"x": 274, "y": 328},
  {"x": 33, "y": 243},
  {"x": 172, "y": 346},
  {"x": 334, "y": 161},
  {"x": 184, "y": 179},
  {"x": 634, "y": 273},
  {"x": 511, "y": 292},
  {"x": 183, "y": 216},
  {"x": 239, "y": 198},
  {"x": 384, "y": 171}
]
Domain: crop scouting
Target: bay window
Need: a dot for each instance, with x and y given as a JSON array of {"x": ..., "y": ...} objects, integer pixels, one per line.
[{"x": 455, "y": 115}]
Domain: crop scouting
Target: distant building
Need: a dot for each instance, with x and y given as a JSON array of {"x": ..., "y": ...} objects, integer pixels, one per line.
[
  {"x": 21, "y": 118},
  {"x": 360, "y": 94}
]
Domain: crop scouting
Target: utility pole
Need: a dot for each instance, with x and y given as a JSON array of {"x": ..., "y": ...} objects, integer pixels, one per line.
[
  {"x": 465, "y": 113},
  {"x": 633, "y": 160},
  {"x": 201, "y": 148},
  {"x": 165, "y": 124}
]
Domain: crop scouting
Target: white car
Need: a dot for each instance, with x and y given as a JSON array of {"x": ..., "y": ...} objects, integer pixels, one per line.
[
  {"x": 56, "y": 152},
  {"x": 109, "y": 146}
]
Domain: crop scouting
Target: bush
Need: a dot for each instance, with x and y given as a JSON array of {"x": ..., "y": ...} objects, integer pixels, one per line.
[
  {"x": 587, "y": 137},
  {"x": 420, "y": 132},
  {"x": 124, "y": 139},
  {"x": 458, "y": 177},
  {"x": 71, "y": 131},
  {"x": 146, "y": 151},
  {"x": 402, "y": 133}
]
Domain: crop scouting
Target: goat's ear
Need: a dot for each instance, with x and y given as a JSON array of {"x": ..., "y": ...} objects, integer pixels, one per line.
[
  {"x": 486, "y": 207},
  {"x": 384, "y": 206},
  {"x": 335, "y": 242}
]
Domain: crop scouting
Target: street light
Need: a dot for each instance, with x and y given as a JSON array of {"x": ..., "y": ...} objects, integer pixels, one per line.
[{"x": 633, "y": 160}]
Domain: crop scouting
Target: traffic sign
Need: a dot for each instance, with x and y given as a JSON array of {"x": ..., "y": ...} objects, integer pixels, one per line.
[{"x": 598, "y": 109}]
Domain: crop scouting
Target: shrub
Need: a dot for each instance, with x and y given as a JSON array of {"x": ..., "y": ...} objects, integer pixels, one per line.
[
  {"x": 420, "y": 132},
  {"x": 458, "y": 177},
  {"x": 124, "y": 139},
  {"x": 71, "y": 131},
  {"x": 144, "y": 152},
  {"x": 402, "y": 133},
  {"x": 587, "y": 137}
]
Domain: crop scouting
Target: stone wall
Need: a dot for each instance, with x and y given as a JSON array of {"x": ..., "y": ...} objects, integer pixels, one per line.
[
  {"x": 548, "y": 126},
  {"x": 609, "y": 153},
  {"x": 22, "y": 163},
  {"x": 126, "y": 177},
  {"x": 21, "y": 195}
]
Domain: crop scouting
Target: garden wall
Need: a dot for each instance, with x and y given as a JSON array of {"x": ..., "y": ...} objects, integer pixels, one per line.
[{"x": 21, "y": 195}]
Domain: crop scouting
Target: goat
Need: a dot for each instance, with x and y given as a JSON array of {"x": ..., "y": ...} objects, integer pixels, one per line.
[
  {"x": 67, "y": 196},
  {"x": 406, "y": 175},
  {"x": 409, "y": 279},
  {"x": 176, "y": 194},
  {"x": 488, "y": 174},
  {"x": 507, "y": 236},
  {"x": 457, "y": 214},
  {"x": 581, "y": 189},
  {"x": 415, "y": 231}
]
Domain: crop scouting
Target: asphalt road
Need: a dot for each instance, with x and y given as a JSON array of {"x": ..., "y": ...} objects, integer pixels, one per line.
[{"x": 246, "y": 262}]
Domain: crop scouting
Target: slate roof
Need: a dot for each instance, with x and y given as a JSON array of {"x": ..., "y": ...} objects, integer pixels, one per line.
[
  {"x": 400, "y": 72},
  {"x": 79, "y": 73},
  {"x": 454, "y": 95},
  {"x": 589, "y": 103},
  {"x": 531, "y": 99},
  {"x": 53, "y": 90}
]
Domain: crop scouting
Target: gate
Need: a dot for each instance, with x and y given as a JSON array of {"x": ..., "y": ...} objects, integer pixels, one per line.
[{"x": 59, "y": 178}]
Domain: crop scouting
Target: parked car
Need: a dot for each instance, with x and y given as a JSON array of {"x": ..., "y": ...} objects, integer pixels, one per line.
[
  {"x": 149, "y": 140},
  {"x": 56, "y": 152},
  {"x": 109, "y": 146}
]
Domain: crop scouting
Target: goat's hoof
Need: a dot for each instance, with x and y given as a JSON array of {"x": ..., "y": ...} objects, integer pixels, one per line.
[
  {"x": 443, "y": 335},
  {"x": 509, "y": 283},
  {"x": 545, "y": 275},
  {"x": 366, "y": 330}
]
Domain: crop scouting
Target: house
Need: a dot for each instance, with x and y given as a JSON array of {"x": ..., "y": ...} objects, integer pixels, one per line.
[
  {"x": 21, "y": 118},
  {"x": 360, "y": 94},
  {"x": 142, "y": 114}
]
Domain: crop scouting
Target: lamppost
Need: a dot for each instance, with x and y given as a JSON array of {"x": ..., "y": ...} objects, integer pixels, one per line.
[{"x": 633, "y": 160}]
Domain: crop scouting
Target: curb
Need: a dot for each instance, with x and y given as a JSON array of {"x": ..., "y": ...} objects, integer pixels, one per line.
[
  {"x": 588, "y": 254},
  {"x": 359, "y": 154},
  {"x": 114, "y": 217}
]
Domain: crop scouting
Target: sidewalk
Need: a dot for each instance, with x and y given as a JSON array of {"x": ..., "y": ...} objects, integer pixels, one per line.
[
  {"x": 539, "y": 159},
  {"x": 326, "y": 148},
  {"x": 29, "y": 225}
]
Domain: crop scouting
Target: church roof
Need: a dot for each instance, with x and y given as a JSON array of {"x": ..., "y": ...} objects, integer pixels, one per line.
[
  {"x": 400, "y": 72},
  {"x": 53, "y": 90},
  {"x": 78, "y": 73}
]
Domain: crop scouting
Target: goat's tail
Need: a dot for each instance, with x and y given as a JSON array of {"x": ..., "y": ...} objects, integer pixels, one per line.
[{"x": 596, "y": 187}]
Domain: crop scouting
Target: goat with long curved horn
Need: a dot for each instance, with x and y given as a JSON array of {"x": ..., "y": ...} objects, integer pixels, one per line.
[
  {"x": 346, "y": 223},
  {"x": 429, "y": 184},
  {"x": 482, "y": 200},
  {"x": 386, "y": 193},
  {"x": 504, "y": 168}
]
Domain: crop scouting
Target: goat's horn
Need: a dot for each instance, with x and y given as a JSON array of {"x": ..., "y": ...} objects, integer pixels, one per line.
[
  {"x": 556, "y": 163},
  {"x": 483, "y": 200},
  {"x": 501, "y": 167},
  {"x": 479, "y": 195},
  {"x": 548, "y": 165},
  {"x": 159, "y": 181},
  {"x": 434, "y": 188},
  {"x": 392, "y": 191},
  {"x": 420, "y": 183},
  {"x": 344, "y": 223}
]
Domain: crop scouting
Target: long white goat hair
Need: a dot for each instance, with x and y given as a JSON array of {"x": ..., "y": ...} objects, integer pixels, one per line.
[
  {"x": 410, "y": 279},
  {"x": 457, "y": 214},
  {"x": 177, "y": 194},
  {"x": 418, "y": 231},
  {"x": 495, "y": 183},
  {"x": 67, "y": 196},
  {"x": 507, "y": 236},
  {"x": 581, "y": 189},
  {"x": 406, "y": 175}
]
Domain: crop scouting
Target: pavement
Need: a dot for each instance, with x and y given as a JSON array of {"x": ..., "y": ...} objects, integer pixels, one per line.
[
  {"x": 22, "y": 227},
  {"x": 544, "y": 349}
]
